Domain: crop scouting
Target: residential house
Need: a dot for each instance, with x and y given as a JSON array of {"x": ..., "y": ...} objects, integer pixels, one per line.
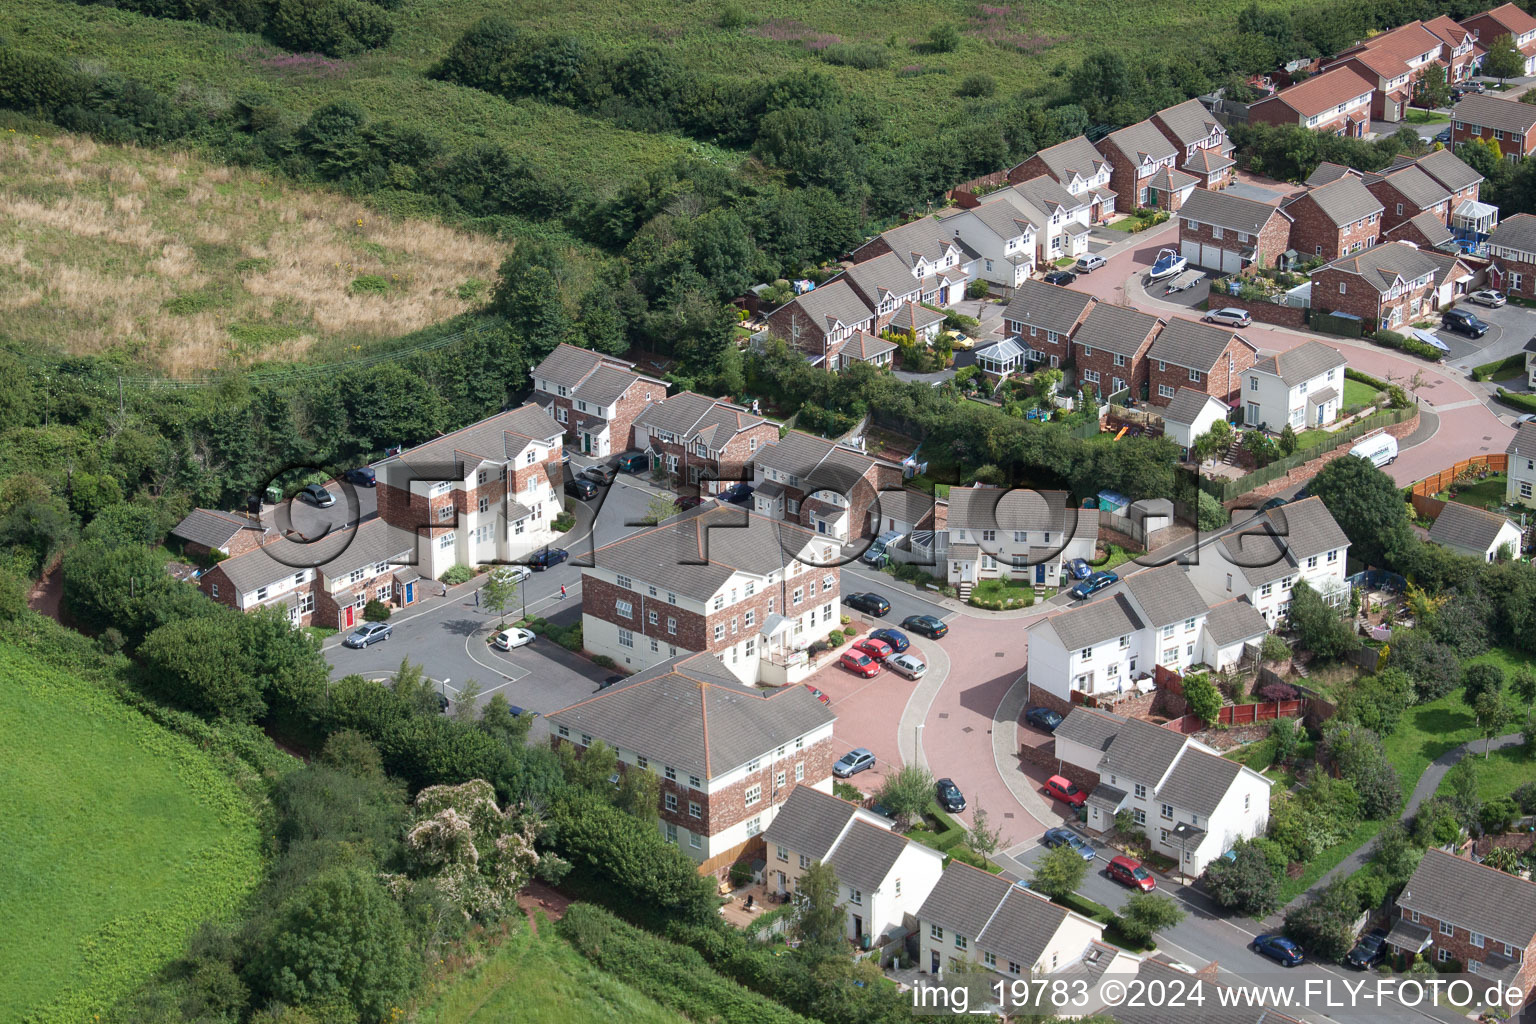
[
  {"x": 824, "y": 486},
  {"x": 1335, "y": 220},
  {"x": 1229, "y": 234},
  {"x": 1470, "y": 219},
  {"x": 1079, "y": 168},
  {"x": 1327, "y": 172},
  {"x": 1392, "y": 62},
  {"x": 1059, "y": 218},
  {"x": 975, "y": 917},
  {"x": 1136, "y": 154},
  {"x": 882, "y": 877},
  {"x": 1190, "y": 355},
  {"x": 885, "y": 283},
  {"x": 939, "y": 261},
  {"x": 1015, "y": 534},
  {"x": 1337, "y": 102},
  {"x": 205, "y": 533},
  {"x": 1521, "y": 485},
  {"x": 1477, "y": 915},
  {"x": 1512, "y": 251},
  {"x": 1390, "y": 285},
  {"x": 863, "y": 347},
  {"x": 1192, "y": 803},
  {"x": 1188, "y": 414},
  {"x": 817, "y": 322},
  {"x": 727, "y": 758},
  {"x": 1405, "y": 192},
  {"x": 1234, "y": 631},
  {"x": 1506, "y": 20},
  {"x": 1423, "y": 230},
  {"x": 1274, "y": 549},
  {"x": 1110, "y": 348},
  {"x": 491, "y": 492},
  {"x": 1300, "y": 387},
  {"x": 903, "y": 510},
  {"x": 753, "y": 592},
  {"x": 594, "y": 397},
  {"x": 1509, "y": 123},
  {"x": 917, "y": 322},
  {"x": 1459, "y": 53},
  {"x": 1475, "y": 532},
  {"x": 1045, "y": 317},
  {"x": 1205, "y": 152},
  {"x": 707, "y": 442},
  {"x": 1001, "y": 230}
]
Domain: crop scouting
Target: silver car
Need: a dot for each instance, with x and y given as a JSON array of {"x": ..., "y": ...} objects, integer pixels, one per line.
[
  {"x": 1488, "y": 297},
  {"x": 907, "y": 664},
  {"x": 1230, "y": 316},
  {"x": 1089, "y": 263}
]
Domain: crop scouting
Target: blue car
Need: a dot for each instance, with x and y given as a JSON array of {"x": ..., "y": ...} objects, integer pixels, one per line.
[
  {"x": 737, "y": 494},
  {"x": 1043, "y": 718},
  {"x": 1066, "y": 837},
  {"x": 895, "y": 638},
  {"x": 1078, "y": 569},
  {"x": 1093, "y": 584},
  {"x": 1279, "y": 949}
]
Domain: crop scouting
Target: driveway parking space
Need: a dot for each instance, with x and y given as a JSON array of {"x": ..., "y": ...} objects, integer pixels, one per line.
[
  {"x": 868, "y": 715},
  {"x": 1510, "y": 327},
  {"x": 1258, "y": 193},
  {"x": 353, "y": 505}
]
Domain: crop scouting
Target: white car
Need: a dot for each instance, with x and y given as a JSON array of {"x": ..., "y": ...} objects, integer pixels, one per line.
[
  {"x": 1231, "y": 316},
  {"x": 1488, "y": 297},
  {"x": 907, "y": 664},
  {"x": 507, "y": 639},
  {"x": 515, "y": 573}
]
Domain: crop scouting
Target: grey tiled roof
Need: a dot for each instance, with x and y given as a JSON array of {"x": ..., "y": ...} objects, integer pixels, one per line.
[
  {"x": 925, "y": 237},
  {"x": 496, "y": 438},
  {"x": 1172, "y": 179},
  {"x": 1524, "y": 441},
  {"x": 1189, "y": 121},
  {"x": 809, "y": 822},
  {"x": 1381, "y": 266},
  {"x": 374, "y": 541},
  {"x": 1094, "y": 622},
  {"x": 1091, "y": 727},
  {"x": 1003, "y": 216},
  {"x": 698, "y": 726},
  {"x": 1047, "y": 306},
  {"x": 1302, "y": 363},
  {"x": 904, "y": 505},
  {"x": 833, "y": 302},
  {"x": 1233, "y": 621},
  {"x": 1431, "y": 227},
  {"x": 1473, "y": 896},
  {"x": 1447, "y": 168},
  {"x": 914, "y": 316},
  {"x": 1075, "y": 156},
  {"x": 215, "y": 529},
  {"x": 567, "y": 365},
  {"x": 1416, "y": 186},
  {"x": 818, "y": 462},
  {"x": 1192, "y": 345},
  {"x": 1273, "y": 543},
  {"x": 863, "y": 346},
  {"x": 1224, "y": 210},
  {"x": 1463, "y": 526},
  {"x": 1022, "y": 927},
  {"x": 605, "y": 385},
  {"x": 1116, "y": 329},
  {"x": 887, "y": 276},
  {"x": 1141, "y": 750},
  {"x": 866, "y": 855},
  {"x": 1518, "y": 232},
  {"x": 1140, "y": 140},
  {"x": 1491, "y": 111},
  {"x": 686, "y": 414},
  {"x": 336, "y": 554},
  {"x": 1343, "y": 201},
  {"x": 1185, "y": 406},
  {"x": 1328, "y": 171},
  {"x": 1165, "y": 595},
  {"x": 1047, "y": 195},
  {"x": 964, "y": 900},
  {"x": 1199, "y": 781}
]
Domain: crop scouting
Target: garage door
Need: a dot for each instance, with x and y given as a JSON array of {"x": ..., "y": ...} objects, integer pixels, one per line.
[
  {"x": 1190, "y": 250},
  {"x": 1231, "y": 262}
]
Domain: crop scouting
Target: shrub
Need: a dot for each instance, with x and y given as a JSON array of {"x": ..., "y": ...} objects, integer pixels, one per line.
[
  {"x": 977, "y": 86},
  {"x": 1525, "y": 798},
  {"x": 1413, "y": 346},
  {"x": 603, "y": 661},
  {"x": 1279, "y": 692},
  {"x": 336, "y": 28},
  {"x": 369, "y": 284},
  {"x": 563, "y": 522},
  {"x": 741, "y": 874},
  {"x": 376, "y": 611},
  {"x": 732, "y": 17},
  {"x": 977, "y": 289},
  {"x": 944, "y": 39},
  {"x": 1498, "y": 815},
  {"x": 456, "y": 574},
  {"x": 865, "y": 56}
]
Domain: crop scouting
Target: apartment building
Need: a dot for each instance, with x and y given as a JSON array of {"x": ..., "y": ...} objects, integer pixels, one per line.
[
  {"x": 828, "y": 488},
  {"x": 595, "y": 398},
  {"x": 1077, "y": 167},
  {"x": 1262, "y": 562},
  {"x": 1337, "y": 101},
  {"x": 1045, "y": 317},
  {"x": 1393, "y": 62},
  {"x": 1017, "y": 534},
  {"x": 1205, "y": 152}
]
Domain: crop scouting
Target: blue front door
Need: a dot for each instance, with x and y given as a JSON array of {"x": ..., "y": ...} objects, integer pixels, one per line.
[
  {"x": 410, "y": 592},
  {"x": 1040, "y": 573}
]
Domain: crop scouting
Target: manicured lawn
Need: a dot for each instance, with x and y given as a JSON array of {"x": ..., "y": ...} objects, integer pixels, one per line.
[
  {"x": 1425, "y": 117},
  {"x": 1357, "y": 393},
  {"x": 1312, "y": 438},
  {"x": 120, "y": 838},
  {"x": 999, "y": 594},
  {"x": 1480, "y": 494},
  {"x": 1117, "y": 556}
]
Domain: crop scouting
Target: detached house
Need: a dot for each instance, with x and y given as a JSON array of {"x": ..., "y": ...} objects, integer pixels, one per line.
[
  {"x": 1198, "y": 356},
  {"x": 1475, "y": 532},
  {"x": 818, "y": 322},
  {"x": 1110, "y": 348},
  {"x": 1045, "y": 317},
  {"x": 752, "y": 592},
  {"x": 1015, "y": 534},
  {"x": 826, "y": 487},
  {"x": 1512, "y": 250},
  {"x": 1229, "y": 234},
  {"x": 1001, "y": 231},
  {"x": 1469, "y": 218},
  {"x": 727, "y": 758},
  {"x": 595, "y": 398},
  {"x": 1393, "y": 62},
  {"x": 1469, "y": 912},
  {"x": 1262, "y": 563},
  {"x": 205, "y": 532},
  {"x": 1507, "y": 20},
  {"x": 885, "y": 283},
  {"x": 1337, "y": 102},
  {"x": 1059, "y": 218},
  {"x": 1335, "y": 220},
  {"x": 1193, "y": 804},
  {"x": 1138, "y": 155},
  {"x": 1205, "y": 152},
  {"x": 1077, "y": 167},
  {"x": 1521, "y": 485},
  {"x": 1405, "y": 192},
  {"x": 883, "y": 878},
  {"x": 939, "y": 261},
  {"x": 705, "y": 441},
  {"x": 1300, "y": 387},
  {"x": 1390, "y": 285},
  {"x": 1509, "y": 123}
]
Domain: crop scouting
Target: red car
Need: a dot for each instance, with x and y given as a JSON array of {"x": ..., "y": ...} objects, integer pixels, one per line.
[
  {"x": 818, "y": 694},
  {"x": 877, "y": 649},
  {"x": 1128, "y": 871},
  {"x": 860, "y": 664},
  {"x": 1060, "y": 787}
]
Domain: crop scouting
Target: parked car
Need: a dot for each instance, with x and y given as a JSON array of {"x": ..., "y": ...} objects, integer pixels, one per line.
[
  {"x": 869, "y": 604},
  {"x": 958, "y": 339},
  {"x": 1078, "y": 569},
  {"x": 1063, "y": 789},
  {"x": 877, "y": 649},
  {"x": 853, "y": 762},
  {"x": 688, "y": 501},
  {"x": 895, "y": 639},
  {"x": 635, "y": 462},
  {"x": 1279, "y": 949},
  {"x": 508, "y": 639},
  {"x": 908, "y": 665},
  {"x": 930, "y": 626},
  {"x": 363, "y": 476},
  {"x": 950, "y": 797},
  {"x": 1274, "y": 502},
  {"x": 1488, "y": 297},
  {"x": 513, "y": 573},
  {"x": 1229, "y": 316},
  {"x": 601, "y": 474},
  {"x": 1463, "y": 321},
  {"x": 1369, "y": 951},
  {"x": 1043, "y": 718},
  {"x": 1443, "y": 136},
  {"x": 1055, "y": 837},
  {"x": 736, "y": 494},
  {"x": 611, "y": 680},
  {"x": 860, "y": 664},
  {"x": 818, "y": 694},
  {"x": 1089, "y": 263},
  {"x": 1061, "y": 277},
  {"x": 317, "y": 495},
  {"x": 1128, "y": 871},
  {"x": 541, "y": 560},
  {"x": 367, "y": 633},
  {"x": 581, "y": 488},
  {"x": 1093, "y": 584}
]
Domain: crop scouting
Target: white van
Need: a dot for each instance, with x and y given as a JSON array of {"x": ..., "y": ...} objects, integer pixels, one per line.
[
  {"x": 876, "y": 553},
  {"x": 1380, "y": 449}
]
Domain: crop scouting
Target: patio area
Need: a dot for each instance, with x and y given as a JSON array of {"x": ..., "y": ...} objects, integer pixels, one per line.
[{"x": 747, "y": 903}]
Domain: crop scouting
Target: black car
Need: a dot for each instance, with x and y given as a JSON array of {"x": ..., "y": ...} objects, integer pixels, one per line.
[
  {"x": 601, "y": 474},
  {"x": 611, "y": 680},
  {"x": 634, "y": 462},
  {"x": 1274, "y": 502},
  {"x": 363, "y": 476},
  {"x": 1060, "y": 277},
  {"x": 950, "y": 797},
  {"x": 1369, "y": 951},
  {"x": 894, "y": 638},
  {"x": 931, "y": 626},
  {"x": 1463, "y": 321},
  {"x": 869, "y": 604},
  {"x": 541, "y": 560},
  {"x": 1043, "y": 718},
  {"x": 736, "y": 494},
  {"x": 586, "y": 490}
]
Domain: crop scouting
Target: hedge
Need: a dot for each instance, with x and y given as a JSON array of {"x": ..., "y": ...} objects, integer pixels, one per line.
[
  {"x": 1403, "y": 343},
  {"x": 1364, "y": 378},
  {"x": 1525, "y": 403},
  {"x": 1500, "y": 369}
]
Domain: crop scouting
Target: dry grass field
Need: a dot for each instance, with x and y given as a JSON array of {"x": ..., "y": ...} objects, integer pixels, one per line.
[{"x": 189, "y": 266}]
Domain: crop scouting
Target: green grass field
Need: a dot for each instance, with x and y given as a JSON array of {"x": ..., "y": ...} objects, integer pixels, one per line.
[
  {"x": 540, "y": 979},
  {"x": 1357, "y": 393},
  {"x": 121, "y": 838}
]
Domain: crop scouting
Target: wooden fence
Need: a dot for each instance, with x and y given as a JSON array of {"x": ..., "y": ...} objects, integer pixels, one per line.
[
  {"x": 1494, "y": 462},
  {"x": 1242, "y": 714}
]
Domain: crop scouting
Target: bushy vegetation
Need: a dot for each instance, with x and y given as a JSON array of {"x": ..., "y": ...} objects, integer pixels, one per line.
[{"x": 338, "y": 28}]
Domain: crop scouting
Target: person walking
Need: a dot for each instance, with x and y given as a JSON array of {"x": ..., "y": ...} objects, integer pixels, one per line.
[
  {"x": 562, "y": 591},
  {"x": 477, "y": 599}
]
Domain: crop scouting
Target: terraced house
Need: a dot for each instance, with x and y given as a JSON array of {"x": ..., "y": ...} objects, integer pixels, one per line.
[
  {"x": 828, "y": 488},
  {"x": 1459, "y": 50},
  {"x": 1390, "y": 285},
  {"x": 1337, "y": 101},
  {"x": 1059, "y": 218},
  {"x": 1406, "y": 192},
  {"x": 595, "y": 398},
  {"x": 1015, "y": 534},
  {"x": 1392, "y": 62},
  {"x": 1506, "y": 20},
  {"x": 1262, "y": 562},
  {"x": 704, "y": 442},
  {"x": 1512, "y": 250},
  {"x": 1520, "y": 488},
  {"x": 727, "y": 758},
  {"x": 1076, "y": 166},
  {"x": 885, "y": 283},
  {"x": 1110, "y": 348},
  {"x": 1205, "y": 152},
  {"x": 1045, "y": 317}
]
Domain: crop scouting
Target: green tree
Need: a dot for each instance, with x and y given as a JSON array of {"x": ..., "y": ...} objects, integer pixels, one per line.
[
  {"x": 640, "y": 794},
  {"x": 1503, "y": 60},
  {"x": 983, "y": 838},
  {"x": 1504, "y": 858},
  {"x": 1212, "y": 515},
  {"x": 1497, "y": 815},
  {"x": 1147, "y": 912},
  {"x": 819, "y": 922},
  {"x": 1396, "y": 855},
  {"x": 1287, "y": 440},
  {"x": 1367, "y": 506},
  {"x": 1356, "y": 751},
  {"x": 944, "y": 38},
  {"x": 659, "y": 508},
  {"x": 1246, "y": 883},
  {"x": 1203, "y": 698},
  {"x": 1483, "y": 677},
  {"x": 1324, "y": 924},
  {"x": 907, "y": 794},
  {"x": 1461, "y": 787},
  {"x": 466, "y": 703},
  {"x": 1523, "y": 686},
  {"x": 1318, "y": 625},
  {"x": 1493, "y": 713},
  {"x": 1214, "y": 441},
  {"x": 1059, "y": 873},
  {"x": 1432, "y": 90},
  {"x": 1273, "y": 648},
  {"x": 499, "y": 591},
  {"x": 204, "y": 665}
]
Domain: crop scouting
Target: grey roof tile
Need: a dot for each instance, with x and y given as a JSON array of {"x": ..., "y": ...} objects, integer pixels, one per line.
[
  {"x": 336, "y": 554},
  {"x": 567, "y": 365},
  {"x": 1302, "y": 363},
  {"x": 496, "y": 438},
  {"x": 1045, "y": 194},
  {"x": 1463, "y": 526},
  {"x": 605, "y": 385},
  {"x": 1141, "y": 140},
  {"x": 1185, "y": 406},
  {"x": 1343, "y": 201},
  {"x": 1193, "y": 345},
  {"x": 1094, "y": 622},
  {"x": 914, "y": 316},
  {"x": 1047, "y": 306},
  {"x": 1273, "y": 543},
  {"x": 1492, "y": 111},
  {"x": 1233, "y": 621},
  {"x": 689, "y": 413},
  {"x": 1141, "y": 750},
  {"x": 1524, "y": 441},
  {"x": 833, "y": 302},
  {"x": 1445, "y": 167},
  {"x": 818, "y": 462},
  {"x": 1474, "y": 896},
  {"x": 809, "y": 822},
  {"x": 1382, "y": 266},
  {"x": 1518, "y": 232},
  {"x": 1432, "y": 228},
  {"x": 905, "y": 505},
  {"x": 926, "y": 237},
  {"x": 1326, "y": 172},
  {"x": 1091, "y": 727},
  {"x": 964, "y": 899},
  {"x": 215, "y": 529},
  {"x": 1164, "y": 595},
  {"x": 1172, "y": 179},
  {"x": 1022, "y": 928},
  {"x": 887, "y": 276},
  {"x": 1415, "y": 185},
  {"x": 1228, "y": 211},
  {"x": 1003, "y": 216},
  {"x": 866, "y": 855},
  {"x": 1116, "y": 329},
  {"x": 864, "y": 346},
  {"x": 1189, "y": 121},
  {"x": 1077, "y": 156},
  {"x": 1199, "y": 781}
]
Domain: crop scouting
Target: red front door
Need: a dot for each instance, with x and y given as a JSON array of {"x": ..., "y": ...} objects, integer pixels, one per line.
[{"x": 346, "y": 617}]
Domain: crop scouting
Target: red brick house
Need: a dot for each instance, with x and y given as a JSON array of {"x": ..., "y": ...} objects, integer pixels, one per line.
[
  {"x": 705, "y": 442},
  {"x": 1078, "y": 167},
  {"x": 1136, "y": 154},
  {"x": 1423, "y": 230},
  {"x": 1203, "y": 357},
  {"x": 207, "y": 533},
  {"x": 1393, "y": 62},
  {"x": 826, "y": 487},
  {"x": 1337, "y": 101},
  {"x": 1205, "y": 152},
  {"x": 885, "y": 283},
  {"x": 1110, "y": 349},
  {"x": 1461, "y": 181},
  {"x": 1507, "y": 20},
  {"x": 1512, "y": 249},
  {"x": 727, "y": 758},
  {"x": 594, "y": 397},
  {"x": 1455, "y": 909},
  {"x": 1509, "y": 123},
  {"x": 1391, "y": 285},
  {"x": 1333, "y": 221},
  {"x": 1045, "y": 317},
  {"x": 1405, "y": 192},
  {"x": 1460, "y": 53},
  {"x": 819, "y": 321},
  {"x": 1229, "y": 234}
]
